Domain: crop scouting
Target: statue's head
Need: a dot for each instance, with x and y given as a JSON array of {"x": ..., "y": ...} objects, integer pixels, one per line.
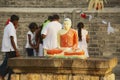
[{"x": 67, "y": 23}]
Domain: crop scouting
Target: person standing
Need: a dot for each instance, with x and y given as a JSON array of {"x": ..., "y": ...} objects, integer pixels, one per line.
[
  {"x": 39, "y": 41},
  {"x": 50, "y": 18},
  {"x": 30, "y": 44},
  {"x": 9, "y": 46},
  {"x": 49, "y": 33},
  {"x": 83, "y": 38}
]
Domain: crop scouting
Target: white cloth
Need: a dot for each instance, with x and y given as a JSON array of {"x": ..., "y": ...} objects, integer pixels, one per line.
[
  {"x": 83, "y": 44},
  {"x": 9, "y": 31},
  {"x": 104, "y": 22},
  {"x": 90, "y": 17},
  {"x": 32, "y": 39},
  {"x": 51, "y": 31},
  {"x": 40, "y": 50},
  {"x": 40, "y": 53},
  {"x": 110, "y": 28}
]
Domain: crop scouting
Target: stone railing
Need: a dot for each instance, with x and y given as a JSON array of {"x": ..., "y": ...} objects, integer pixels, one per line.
[{"x": 44, "y": 68}]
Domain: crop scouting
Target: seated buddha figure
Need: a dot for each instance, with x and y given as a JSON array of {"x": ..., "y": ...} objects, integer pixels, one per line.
[{"x": 68, "y": 39}]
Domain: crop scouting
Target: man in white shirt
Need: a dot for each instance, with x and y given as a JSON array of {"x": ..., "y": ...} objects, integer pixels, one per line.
[
  {"x": 9, "y": 46},
  {"x": 49, "y": 33}
]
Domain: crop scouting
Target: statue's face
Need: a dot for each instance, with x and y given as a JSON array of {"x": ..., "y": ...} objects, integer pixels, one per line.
[{"x": 67, "y": 25}]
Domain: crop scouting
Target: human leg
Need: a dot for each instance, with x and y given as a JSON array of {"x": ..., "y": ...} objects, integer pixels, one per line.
[
  {"x": 10, "y": 71},
  {"x": 3, "y": 67}
]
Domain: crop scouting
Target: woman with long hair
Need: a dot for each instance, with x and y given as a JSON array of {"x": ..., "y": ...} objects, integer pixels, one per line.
[{"x": 83, "y": 38}]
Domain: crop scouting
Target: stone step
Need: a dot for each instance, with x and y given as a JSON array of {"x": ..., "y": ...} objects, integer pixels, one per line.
[
  {"x": 118, "y": 59},
  {"x": 55, "y": 10},
  {"x": 55, "y": 3},
  {"x": 116, "y": 70},
  {"x": 117, "y": 77}
]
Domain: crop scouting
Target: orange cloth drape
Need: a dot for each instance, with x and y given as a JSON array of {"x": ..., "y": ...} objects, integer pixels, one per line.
[{"x": 69, "y": 39}]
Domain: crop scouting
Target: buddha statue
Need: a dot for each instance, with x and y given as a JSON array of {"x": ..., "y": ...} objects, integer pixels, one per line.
[{"x": 67, "y": 37}]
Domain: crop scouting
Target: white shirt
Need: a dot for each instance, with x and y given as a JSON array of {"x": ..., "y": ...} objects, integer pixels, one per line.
[
  {"x": 51, "y": 31},
  {"x": 9, "y": 31},
  {"x": 83, "y": 43},
  {"x": 32, "y": 39}
]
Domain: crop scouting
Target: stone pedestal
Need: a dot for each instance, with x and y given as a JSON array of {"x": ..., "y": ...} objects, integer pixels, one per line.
[{"x": 44, "y": 68}]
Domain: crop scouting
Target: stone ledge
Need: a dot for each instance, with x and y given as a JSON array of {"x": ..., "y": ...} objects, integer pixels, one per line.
[
  {"x": 55, "y": 10},
  {"x": 93, "y": 66}
]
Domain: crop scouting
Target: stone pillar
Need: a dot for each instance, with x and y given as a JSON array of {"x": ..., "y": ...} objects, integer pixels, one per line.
[{"x": 44, "y": 68}]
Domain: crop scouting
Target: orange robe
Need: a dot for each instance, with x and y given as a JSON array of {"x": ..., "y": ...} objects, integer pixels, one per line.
[{"x": 69, "y": 39}]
